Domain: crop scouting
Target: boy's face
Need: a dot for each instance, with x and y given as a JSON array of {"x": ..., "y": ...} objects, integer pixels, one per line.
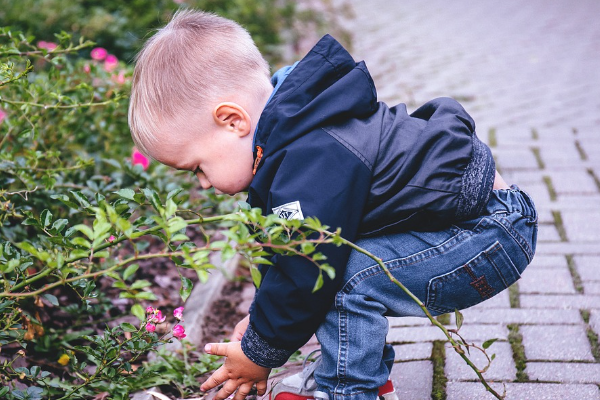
[{"x": 221, "y": 157}]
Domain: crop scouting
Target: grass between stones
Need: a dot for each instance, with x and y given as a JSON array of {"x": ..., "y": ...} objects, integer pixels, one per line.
[
  {"x": 438, "y": 357},
  {"x": 581, "y": 151},
  {"x": 550, "y": 187},
  {"x": 594, "y": 177},
  {"x": 560, "y": 227},
  {"x": 534, "y": 134},
  {"x": 592, "y": 336},
  {"x": 516, "y": 343},
  {"x": 574, "y": 273},
  {"x": 514, "y": 296},
  {"x": 492, "y": 139},
  {"x": 538, "y": 157}
]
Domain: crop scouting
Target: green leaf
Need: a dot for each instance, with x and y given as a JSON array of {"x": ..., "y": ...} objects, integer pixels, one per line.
[
  {"x": 170, "y": 208},
  {"x": 186, "y": 288},
  {"x": 318, "y": 283},
  {"x": 140, "y": 284},
  {"x": 145, "y": 296},
  {"x": 329, "y": 270},
  {"x": 307, "y": 248},
  {"x": 65, "y": 200},
  {"x": 459, "y": 319},
  {"x": 59, "y": 225},
  {"x": 130, "y": 270},
  {"x": 256, "y": 276},
  {"x": 81, "y": 199},
  {"x": 153, "y": 198},
  {"x": 139, "y": 312},
  {"x": 488, "y": 343},
  {"x": 127, "y": 327},
  {"x": 126, "y": 194},
  {"x": 51, "y": 299},
  {"x": 46, "y": 218},
  {"x": 86, "y": 230}
]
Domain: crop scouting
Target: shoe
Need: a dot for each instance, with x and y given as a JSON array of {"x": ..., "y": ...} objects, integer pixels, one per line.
[{"x": 302, "y": 386}]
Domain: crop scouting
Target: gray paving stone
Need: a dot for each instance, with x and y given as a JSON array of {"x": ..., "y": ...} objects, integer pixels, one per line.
[
  {"x": 564, "y": 248},
  {"x": 413, "y": 379},
  {"x": 560, "y": 343},
  {"x": 510, "y": 158},
  {"x": 501, "y": 300},
  {"x": 565, "y": 302},
  {"x": 561, "y": 156},
  {"x": 588, "y": 267},
  {"x": 581, "y": 226},
  {"x": 591, "y": 287},
  {"x": 523, "y": 391},
  {"x": 546, "y": 281},
  {"x": 564, "y": 372},
  {"x": 573, "y": 181},
  {"x": 408, "y": 321},
  {"x": 416, "y": 351},
  {"x": 522, "y": 316},
  {"x": 430, "y": 333},
  {"x": 548, "y": 233},
  {"x": 502, "y": 367},
  {"x": 542, "y": 261}
]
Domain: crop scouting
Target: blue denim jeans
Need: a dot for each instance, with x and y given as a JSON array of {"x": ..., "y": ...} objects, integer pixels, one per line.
[{"x": 450, "y": 269}]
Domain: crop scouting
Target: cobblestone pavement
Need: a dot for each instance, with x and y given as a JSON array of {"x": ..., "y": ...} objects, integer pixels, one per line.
[{"x": 529, "y": 74}]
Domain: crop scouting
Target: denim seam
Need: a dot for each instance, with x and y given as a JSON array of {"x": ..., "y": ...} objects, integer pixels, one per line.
[
  {"x": 343, "y": 343},
  {"x": 508, "y": 227},
  {"x": 406, "y": 261}
]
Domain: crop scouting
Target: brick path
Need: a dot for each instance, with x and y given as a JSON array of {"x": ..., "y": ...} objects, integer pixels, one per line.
[{"x": 529, "y": 74}]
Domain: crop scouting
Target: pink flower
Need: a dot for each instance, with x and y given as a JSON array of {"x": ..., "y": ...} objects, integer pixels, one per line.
[
  {"x": 178, "y": 313},
  {"x": 151, "y": 328},
  {"x": 47, "y": 45},
  {"x": 110, "y": 63},
  {"x": 139, "y": 158},
  {"x": 150, "y": 310},
  {"x": 159, "y": 317},
  {"x": 99, "y": 53},
  {"x": 120, "y": 78},
  {"x": 179, "y": 332},
  {"x": 2, "y": 115},
  {"x": 112, "y": 238},
  {"x": 87, "y": 69},
  {"x": 179, "y": 1}
]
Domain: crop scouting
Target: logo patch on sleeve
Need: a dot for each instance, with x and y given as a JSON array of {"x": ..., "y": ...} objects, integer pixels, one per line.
[{"x": 289, "y": 211}]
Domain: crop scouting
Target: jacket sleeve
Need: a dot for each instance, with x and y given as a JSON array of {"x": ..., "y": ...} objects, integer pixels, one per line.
[{"x": 330, "y": 183}]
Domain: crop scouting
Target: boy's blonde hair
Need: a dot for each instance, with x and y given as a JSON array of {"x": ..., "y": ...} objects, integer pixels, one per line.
[{"x": 195, "y": 60}]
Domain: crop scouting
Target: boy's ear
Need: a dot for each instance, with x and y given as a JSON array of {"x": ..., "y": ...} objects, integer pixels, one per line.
[{"x": 233, "y": 117}]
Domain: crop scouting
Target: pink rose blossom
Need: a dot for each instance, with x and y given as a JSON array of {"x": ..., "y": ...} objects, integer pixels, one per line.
[
  {"x": 87, "y": 69},
  {"x": 112, "y": 238},
  {"x": 178, "y": 313},
  {"x": 159, "y": 318},
  {"x": 139, "y": 158},
  {"x": 47, "y": 45},
  {"x": 149, "y": 310},
  {"x": 151, "y": 328},
  {"x": 110, "y": 63},
  {"x": 99, "y": 53},
  {"x": 179, "y": 332},
  {"x": 178, "y": 1},
  {"x": 2, "y": 115}
]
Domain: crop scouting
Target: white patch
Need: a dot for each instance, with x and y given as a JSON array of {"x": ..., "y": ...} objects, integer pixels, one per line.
[{"x": 289, "y": 211}]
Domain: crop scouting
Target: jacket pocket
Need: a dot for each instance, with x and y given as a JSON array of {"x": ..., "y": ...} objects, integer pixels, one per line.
[{"x": 484, "y": 276}]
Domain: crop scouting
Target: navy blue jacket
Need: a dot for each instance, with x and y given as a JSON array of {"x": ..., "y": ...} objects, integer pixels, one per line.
[{"x": 331, "y": 151}]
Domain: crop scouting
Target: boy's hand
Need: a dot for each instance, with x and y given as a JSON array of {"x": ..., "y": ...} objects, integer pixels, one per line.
[
  {"x": 237, "y": 373},
  {"x": 240, "y": 329}
]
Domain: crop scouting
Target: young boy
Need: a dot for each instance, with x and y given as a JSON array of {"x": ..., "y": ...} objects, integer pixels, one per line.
[{"x": 420, "y": 191}]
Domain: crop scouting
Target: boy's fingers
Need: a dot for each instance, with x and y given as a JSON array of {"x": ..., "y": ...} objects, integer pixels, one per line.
[
  {"x": 218, "y": 377},
  {"x": 261, "y": 387},
  {"x": 243, "y": 391},
  {"x": 226, "y": 391},
  {"x": 217, "y": 349}
]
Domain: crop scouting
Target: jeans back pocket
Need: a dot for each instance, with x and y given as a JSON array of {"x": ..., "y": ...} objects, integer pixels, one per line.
[{"x": 484, "y": 276}]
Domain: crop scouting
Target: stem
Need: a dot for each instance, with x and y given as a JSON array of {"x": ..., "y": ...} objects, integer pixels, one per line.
[
  {"x": 56, "y": 106},
  {"x": 99, "y": 248}
]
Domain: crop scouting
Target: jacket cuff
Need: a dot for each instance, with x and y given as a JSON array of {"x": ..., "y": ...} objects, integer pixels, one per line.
[
  {"x": 477, "y": 181},
  {"x": 262, "y": 353}
]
